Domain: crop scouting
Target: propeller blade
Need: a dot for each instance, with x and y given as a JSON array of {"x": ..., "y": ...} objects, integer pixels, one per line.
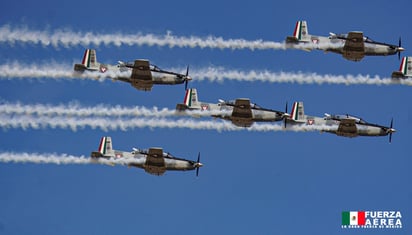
[
  {"x": 390, "y": 133},
  {"x": 187, "y": 77},
  {"x": 400, "y": 45},
  {"x": 198, "y": 161},
  {"x": 286, "y": 111}
]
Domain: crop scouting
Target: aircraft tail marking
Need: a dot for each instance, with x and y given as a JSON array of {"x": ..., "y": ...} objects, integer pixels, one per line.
[
  {"x": 89, "y": 58},
  {"x": 297, "y": 111},
  {"x": 191, "y": 98},
  {"x": 301, "y": 31},
  {"x": 187, "y": 99},
  {"x": 105, "y": 147},
  {"x": 102, "y": 146},
  {"x": 403, "y": 67}
]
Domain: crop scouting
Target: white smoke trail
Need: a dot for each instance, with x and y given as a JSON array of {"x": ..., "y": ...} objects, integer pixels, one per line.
[
  {"x": 75, "y": 109},
  {"x": 107, "y": 124},
  {"x": 67, "y": 38},
  {"x": 213, "y": 74},
  {"x": 59, "y": 159},
  {"x": 219, "y": 74},
  {"x": 54, "y": 71},
  {"x": 102, "y": 110}
]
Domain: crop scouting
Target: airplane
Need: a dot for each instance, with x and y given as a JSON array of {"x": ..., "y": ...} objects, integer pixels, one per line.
[
  {"x": 241, "y": 112},
  {"x": 353, "y": 46},
  {"x": 153, "y": 161},
  {"x": 143, "y": 74},
  {"x": 405, "y": 70},
  {"x": 342, "y": 125}
]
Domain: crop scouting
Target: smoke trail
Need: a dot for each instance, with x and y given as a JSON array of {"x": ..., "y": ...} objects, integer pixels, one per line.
[
  {"x": 59, "y": 159},
  {"x": 219, "y": 74},
  {"x": 69, "y": 38},
  {"x": 112, "y": 124},
  {"x": 213, "y": 74},
  {"x": 75, "y": 109},
  {"x": 102, "y": 110},
  {"x": 54, "y": 71}
]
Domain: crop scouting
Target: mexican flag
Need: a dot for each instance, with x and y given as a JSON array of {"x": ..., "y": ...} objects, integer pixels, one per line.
[{"x": 353, "y": 218}]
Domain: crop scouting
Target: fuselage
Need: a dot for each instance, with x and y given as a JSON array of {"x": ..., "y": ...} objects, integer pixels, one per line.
[
  {"x": 332, "y": 126},
  {"x": 224, "y": 111},
  {"x": 337, "y": 45},
  {"x": 140, "y": 160},
  {"x": 166, "y": 79}
]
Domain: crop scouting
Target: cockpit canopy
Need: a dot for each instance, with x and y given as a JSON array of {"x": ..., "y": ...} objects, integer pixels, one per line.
[{"x": 347, "y": 116}]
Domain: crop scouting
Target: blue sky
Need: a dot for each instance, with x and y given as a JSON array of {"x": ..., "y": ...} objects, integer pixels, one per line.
[{"x": 251, "y": 182}]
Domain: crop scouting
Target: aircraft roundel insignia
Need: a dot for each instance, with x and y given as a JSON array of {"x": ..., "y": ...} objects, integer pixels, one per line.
[
  {"x": 205, "y": 107},
  {"x": 311, "y": 121},
  {"x": 103, "y": 69}
]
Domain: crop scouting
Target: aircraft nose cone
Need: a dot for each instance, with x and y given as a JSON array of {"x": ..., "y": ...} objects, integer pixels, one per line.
[
  {"x": 392, "y": 130},
  {"x": 401, "y": 49},
  {"x": 198, "y": 164},
  {"x": 188, "y": 78}
]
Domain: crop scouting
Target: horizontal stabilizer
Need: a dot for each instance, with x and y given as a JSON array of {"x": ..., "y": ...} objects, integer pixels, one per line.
[
  {"x": 96, "y": 155},
  {"x": 79, "y": 68},
  {"x": 181, "y": 107},
  {"x": 397, "y": 74}
]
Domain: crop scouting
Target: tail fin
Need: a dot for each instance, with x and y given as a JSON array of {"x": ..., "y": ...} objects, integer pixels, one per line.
[
  {"x": 191, "y": 99},
  {"x": 405, "y": 69},
  {"x": 301, "y": 33},
  {"x": 298, "y": 113},
  {"x": 89, "y": 61},
  {"x": 105, "y": 148}
]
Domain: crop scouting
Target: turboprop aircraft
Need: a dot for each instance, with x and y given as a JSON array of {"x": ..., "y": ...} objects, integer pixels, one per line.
[
  {"x": 405, "y": 70},
  {"x": 143, "y": 74},
  {"x": 342, "y": 125},
  {"x": 153, "y": 161},
  {"x": 353, "y": 45},
  {"x": 241, "y": 112}
]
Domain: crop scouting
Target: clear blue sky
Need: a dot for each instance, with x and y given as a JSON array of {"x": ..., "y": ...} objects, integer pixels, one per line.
[{"x": 251, "y": 182}]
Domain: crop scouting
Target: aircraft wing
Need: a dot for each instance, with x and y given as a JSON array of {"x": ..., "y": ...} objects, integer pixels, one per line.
[
  {"x": 242, "y": 109},
  {"x": 354, "y": 48},
  {"x": 347, "y": 127},
  {"x": 141, "y": 75},
  {"x": 242, "y": 113},
  {"x": 155, "y": 162}
]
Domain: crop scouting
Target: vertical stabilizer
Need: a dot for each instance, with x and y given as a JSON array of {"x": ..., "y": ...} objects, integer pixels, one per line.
[
  {"x": 191, "y": 98},
  {"x": 89, "y": 61},
  {"x": 301, "y": 32},
  {"x": 89, "y": 58},
  {"x": 106, "y": 147},
  {"x": 298, "y": 113},
  {"x": 405, "y": 69}
]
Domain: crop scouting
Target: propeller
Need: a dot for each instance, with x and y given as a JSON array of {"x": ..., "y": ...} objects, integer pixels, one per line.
[
  {"x": 399, "y": 48},
  {"x": 286, "y": 111},
  {"x": 391, "y": 130},
  {"x": 187, "y": 78},
  {"x": 198, "y": 164}
]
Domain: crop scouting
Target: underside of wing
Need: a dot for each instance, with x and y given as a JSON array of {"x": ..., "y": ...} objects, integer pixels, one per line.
[
  {"x": 347, "y": 128},
  {"x": 242, "y": 113},
  {"x": 155, "y": 162},
  {"x": 354, "y": 48},
  {"x": 141, "y": 75}
]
